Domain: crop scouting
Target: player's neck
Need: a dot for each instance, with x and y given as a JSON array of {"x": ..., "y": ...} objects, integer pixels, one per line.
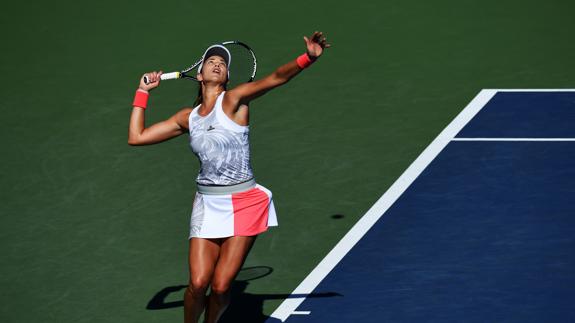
[
  {"x": 211, "y": 92},
  {"x": 209, "y": 96}
]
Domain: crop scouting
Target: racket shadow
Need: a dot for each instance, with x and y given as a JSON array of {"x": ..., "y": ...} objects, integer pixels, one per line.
[{"x": 245, "y": 306}]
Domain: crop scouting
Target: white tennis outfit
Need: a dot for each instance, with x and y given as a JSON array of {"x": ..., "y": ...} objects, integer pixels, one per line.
[{"x": 228, "y": 201}]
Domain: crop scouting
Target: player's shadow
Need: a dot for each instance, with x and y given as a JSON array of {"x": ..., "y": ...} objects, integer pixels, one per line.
[{"x": 247, "y": 306}]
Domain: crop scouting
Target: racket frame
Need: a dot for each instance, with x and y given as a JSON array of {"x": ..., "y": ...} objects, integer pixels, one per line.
[{"x": 184, "y": 73}]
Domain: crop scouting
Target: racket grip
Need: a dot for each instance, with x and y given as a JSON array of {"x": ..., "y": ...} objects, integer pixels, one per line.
[{"x": 166, "y": 76}]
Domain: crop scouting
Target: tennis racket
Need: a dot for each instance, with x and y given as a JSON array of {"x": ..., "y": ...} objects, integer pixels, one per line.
[{"x": 243, "y": 65}]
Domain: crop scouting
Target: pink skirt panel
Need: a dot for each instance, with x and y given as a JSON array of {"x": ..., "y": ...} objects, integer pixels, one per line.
[{"x": 240, "y": 214}]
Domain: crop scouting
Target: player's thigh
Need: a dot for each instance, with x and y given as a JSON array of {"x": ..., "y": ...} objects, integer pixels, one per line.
[
  {"x": 233, "y": 253},
  {"x": 203, "y": 256}
]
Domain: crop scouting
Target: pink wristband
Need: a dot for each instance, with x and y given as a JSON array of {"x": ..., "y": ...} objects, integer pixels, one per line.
[
  {"x": 304, "y": 61},
  {"x": 141, "y": 99}
]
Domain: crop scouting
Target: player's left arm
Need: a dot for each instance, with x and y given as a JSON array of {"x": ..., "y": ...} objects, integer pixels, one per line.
[{"x": 247, "y": 92}]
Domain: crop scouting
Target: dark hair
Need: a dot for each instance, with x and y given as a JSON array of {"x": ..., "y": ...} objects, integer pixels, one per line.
[{"x": 199, "y": 98}]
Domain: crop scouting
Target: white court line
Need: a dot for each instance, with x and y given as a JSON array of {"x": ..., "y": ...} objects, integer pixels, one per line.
[
  {"x": 532, "y": 90},
  {"x": 288, "y": 307},
  {"x": 513, "y": 139},
  {"x": 372, "y": 216}
]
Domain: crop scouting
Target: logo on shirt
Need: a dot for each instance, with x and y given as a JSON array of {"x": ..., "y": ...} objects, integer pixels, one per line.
[{"x": 211, "y": 128}]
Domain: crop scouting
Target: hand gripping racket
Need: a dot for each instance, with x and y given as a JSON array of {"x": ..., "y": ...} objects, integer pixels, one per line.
[{"x": 242, "y": 68}]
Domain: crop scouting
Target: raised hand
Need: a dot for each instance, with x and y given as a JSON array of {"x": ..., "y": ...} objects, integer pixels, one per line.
[
  {"x": 316, "y": 44},
  {"x": 153, "y": 80}
]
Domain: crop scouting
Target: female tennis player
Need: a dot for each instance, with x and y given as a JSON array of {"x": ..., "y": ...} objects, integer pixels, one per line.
[{"x": 229, "y": 209}]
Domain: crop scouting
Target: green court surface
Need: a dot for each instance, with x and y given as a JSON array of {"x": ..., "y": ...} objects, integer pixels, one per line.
[{"x": 92, "y": 229}]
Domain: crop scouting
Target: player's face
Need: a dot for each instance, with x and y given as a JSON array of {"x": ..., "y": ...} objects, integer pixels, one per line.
[{"x": 215, "y": 69}]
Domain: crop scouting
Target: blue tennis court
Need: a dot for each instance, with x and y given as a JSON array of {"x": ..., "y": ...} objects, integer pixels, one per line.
[{"x": 480, "y": 228}]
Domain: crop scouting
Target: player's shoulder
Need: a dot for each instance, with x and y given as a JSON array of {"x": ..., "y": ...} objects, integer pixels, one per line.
[
  {"x": 187, "y": 110},
  {"x": 183, "y": 116},
  {"x": 184, "y": 112}
]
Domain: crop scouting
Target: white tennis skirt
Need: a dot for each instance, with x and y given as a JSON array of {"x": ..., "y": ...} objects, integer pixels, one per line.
[{"x": 246, "y": 213}]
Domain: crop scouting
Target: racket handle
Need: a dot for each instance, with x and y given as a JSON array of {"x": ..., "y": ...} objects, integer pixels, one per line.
[{"x": 166, "y": 76}]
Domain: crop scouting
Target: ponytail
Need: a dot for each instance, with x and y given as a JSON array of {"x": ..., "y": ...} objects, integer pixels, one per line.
[{"x": 199, "y": 98}]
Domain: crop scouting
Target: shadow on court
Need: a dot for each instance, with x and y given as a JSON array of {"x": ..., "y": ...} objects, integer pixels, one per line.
[{"x": 247, "y": 306}]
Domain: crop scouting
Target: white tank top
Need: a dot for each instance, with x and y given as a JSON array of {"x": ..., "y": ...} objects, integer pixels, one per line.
[{"x": 222, "y": 146}]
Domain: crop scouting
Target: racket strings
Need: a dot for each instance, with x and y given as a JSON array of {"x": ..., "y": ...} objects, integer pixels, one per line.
[
  {"x": 243, "y": 64},
  {"x": 242, "y": 67}
]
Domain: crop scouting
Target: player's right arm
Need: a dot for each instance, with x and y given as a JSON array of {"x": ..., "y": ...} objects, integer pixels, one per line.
[{"x": 174, "y": 126}]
